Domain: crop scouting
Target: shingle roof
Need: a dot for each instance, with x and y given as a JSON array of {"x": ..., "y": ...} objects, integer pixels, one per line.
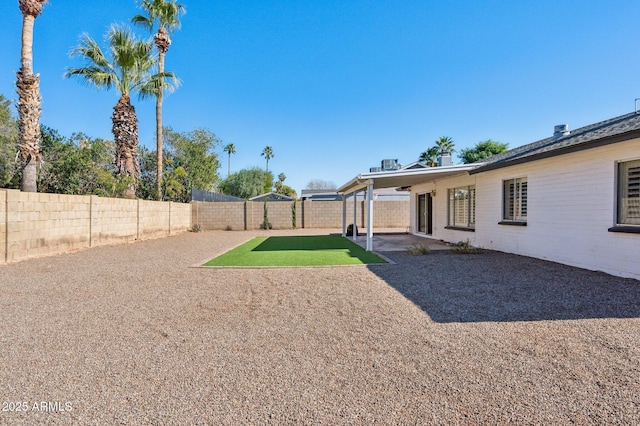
[{"x": 613, "y": 130}]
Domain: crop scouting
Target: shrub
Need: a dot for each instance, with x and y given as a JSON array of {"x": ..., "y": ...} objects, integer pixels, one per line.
[
  {"x": 465, "y": 247},
  {"x": 294, "y": 219},
  {"x": 196, "y": 227},
  {"x": 418, "y": 249},
  {"x": 266, "y": 224}
]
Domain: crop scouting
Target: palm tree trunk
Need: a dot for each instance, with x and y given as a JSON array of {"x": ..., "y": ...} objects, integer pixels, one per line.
[
  {"x": 29, "y": 105},
  {"x": 29, "y": 127},
  {"x": 229, "y": 165},
  {"x": 125, "y": 134},
  {"x": 162, "y": 41},
  {"x": 159, "y": 127}
]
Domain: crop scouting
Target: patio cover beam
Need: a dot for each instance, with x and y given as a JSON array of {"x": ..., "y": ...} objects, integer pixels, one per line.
[{"x": 370, "y": 216}]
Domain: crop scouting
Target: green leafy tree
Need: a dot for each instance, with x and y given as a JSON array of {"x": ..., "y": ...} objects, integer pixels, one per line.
[
  {"x": 268, "y": 154},
  {"x": 268, "y": 182},
  {"x": 229, "y": 149},
  {"x": 430, "y": 156},
  {"x": 129, "y": 70},
  {"x": 78, "y": 165},
  {"x": 246, "y": 183},
  {"x": 30, "y": 102},
  {"x": 10, "y": 174},
  {"x": 191, "y": 162},
  {"x": 165, "y": 14},
  {"x": 482, "y": 150},
  {"x": 147, "y": 184}
]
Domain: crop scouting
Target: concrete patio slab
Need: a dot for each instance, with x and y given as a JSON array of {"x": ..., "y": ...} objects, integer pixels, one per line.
[{"x": 396, "y": 241}]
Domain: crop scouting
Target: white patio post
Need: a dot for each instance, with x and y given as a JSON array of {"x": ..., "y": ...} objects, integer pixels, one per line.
[
  {"x": 370, "y": 216},
  {"x": 344, "y": 215},
  {"x": 354, "y": 233}
]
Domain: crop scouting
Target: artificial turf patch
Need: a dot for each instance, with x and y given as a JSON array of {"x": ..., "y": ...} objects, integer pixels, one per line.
[{"x": 316, "y": 250}]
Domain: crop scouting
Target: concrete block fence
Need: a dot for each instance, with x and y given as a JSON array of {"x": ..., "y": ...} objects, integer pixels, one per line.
[
  {"x": 35, "y": 224},
  {"x": 249, "y": 215}
]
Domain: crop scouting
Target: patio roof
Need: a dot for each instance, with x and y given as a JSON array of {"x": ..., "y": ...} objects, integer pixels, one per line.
[
  {"x": 403, "y": 178},
  {"x": 391, "y": 179}
]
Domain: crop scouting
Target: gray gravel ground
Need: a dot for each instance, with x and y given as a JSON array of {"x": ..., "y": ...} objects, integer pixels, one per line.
[{"x": 131, "y": 334}]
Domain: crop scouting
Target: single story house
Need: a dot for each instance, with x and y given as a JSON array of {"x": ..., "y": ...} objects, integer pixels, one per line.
[{"x": 572, "y": 198}]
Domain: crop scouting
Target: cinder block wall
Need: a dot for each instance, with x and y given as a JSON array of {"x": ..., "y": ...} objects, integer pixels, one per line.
[
  {"x": 43, "y": 224},
  {"x": 3, "y": 226},
  {"x": 328, "y": 214},
  {"x": 154, "y": 219},
  {"x": 310, "y": 214},
  {"x": 391, "y": 214},
  {"x": 113, "y": 220},
  {"x": 35, "y": 224},
  {"x": 247, "y": 215},
  {"x": 180, "y": 218},
  {"x": 220, "y": 216},
  {"x": 278, "y": 212}
]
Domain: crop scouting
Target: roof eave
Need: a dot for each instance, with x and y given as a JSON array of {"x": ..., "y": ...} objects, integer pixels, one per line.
[{"x": 560, "y": 151}]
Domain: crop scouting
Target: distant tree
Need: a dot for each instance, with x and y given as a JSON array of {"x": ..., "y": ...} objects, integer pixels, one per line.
[
  {"x": 268, "y": 182},
  {"x": 445, "y": 144},
  {"x": 430, "y": 156},
  {"x": 191, "y": 162},
  {"x": 229, "y": 149},
  {"x": 482, "y": 150},
  {"x": 79, "y": 165},
  {"x": 30, "y": 102},
  {"x": 246, "y": 183},
  {"x": 166, "y": 15},
  {"x": 267, "y": 153},
  {"x": 321, "y": 184},
  {"x": 283, "y": 189},
  {"x": 129, "y": 71},
  {"x": 10, "y": 174}
]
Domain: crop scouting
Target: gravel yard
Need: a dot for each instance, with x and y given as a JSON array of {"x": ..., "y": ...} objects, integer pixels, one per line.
[{"x": 132, "y": 334}]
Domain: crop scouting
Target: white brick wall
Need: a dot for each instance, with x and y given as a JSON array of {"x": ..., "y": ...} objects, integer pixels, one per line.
[{"x": 571, "y": 205}]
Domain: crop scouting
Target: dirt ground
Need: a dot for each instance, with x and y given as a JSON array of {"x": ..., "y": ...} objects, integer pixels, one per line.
[{"x": 133, "y": 334}]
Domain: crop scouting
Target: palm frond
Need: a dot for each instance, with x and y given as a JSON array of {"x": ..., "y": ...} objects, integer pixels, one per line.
[
  {"x": 143, "y": 21},
  {"x": 128, "y": 66},
  {"x": 94, "y": 76},
  {"x": 166, "y": 13},
  {"x": 165, "y": 82},
  {"x": 90, "y": 51}
]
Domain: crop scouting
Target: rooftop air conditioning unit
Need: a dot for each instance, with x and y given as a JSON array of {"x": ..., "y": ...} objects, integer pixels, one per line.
[{"x": 390, "y": 164}]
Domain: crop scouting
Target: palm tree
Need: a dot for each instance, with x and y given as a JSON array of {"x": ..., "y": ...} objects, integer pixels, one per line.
[
  {"x": 229, "y": 149},
  {"x": 165, "y": 13},
  {"x": 30, "y": 102},
  {"x": 430, "y": 156},
  {"x": 445, "y": 145},
  {"x": 129, "y": 70},
  {"x": 267, "y": 153}
]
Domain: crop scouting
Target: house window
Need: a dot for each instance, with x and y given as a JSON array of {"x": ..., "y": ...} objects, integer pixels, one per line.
[
  {"x": 515, "y": 200},
  {"x": 629, "y": 193},
  {"x": 462, "y": 207}
]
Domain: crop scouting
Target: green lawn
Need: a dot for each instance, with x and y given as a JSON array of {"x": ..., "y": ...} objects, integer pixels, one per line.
[{"x": 317, "y": 250}]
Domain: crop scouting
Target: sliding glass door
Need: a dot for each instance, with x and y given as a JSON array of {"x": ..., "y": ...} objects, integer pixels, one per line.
[{"x": 424, "y": 214}]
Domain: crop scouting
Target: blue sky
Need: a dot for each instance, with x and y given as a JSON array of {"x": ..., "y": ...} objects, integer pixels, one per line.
[{"x": 336, "y": 86}]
